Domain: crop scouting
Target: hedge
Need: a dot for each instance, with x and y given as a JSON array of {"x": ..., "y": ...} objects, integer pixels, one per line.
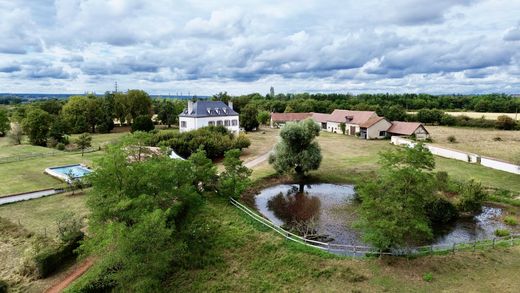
[{"x": 51, "y": 259}]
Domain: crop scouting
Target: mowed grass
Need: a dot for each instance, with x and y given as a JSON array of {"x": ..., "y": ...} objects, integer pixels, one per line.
[
  {"x": 349, "y": 159},
  {"x": 480, "y": 141},
  {"x": 28, "y": 175},
  {"x": 40, "y": 215},
  {"x": 247, "y": 257}
]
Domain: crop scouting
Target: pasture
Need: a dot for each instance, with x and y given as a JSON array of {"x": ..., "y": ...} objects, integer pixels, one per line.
[{"x": 500, "y": 144}]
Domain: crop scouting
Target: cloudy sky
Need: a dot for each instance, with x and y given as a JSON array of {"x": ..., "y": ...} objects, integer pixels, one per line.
[{"x": 204, "y": 47}]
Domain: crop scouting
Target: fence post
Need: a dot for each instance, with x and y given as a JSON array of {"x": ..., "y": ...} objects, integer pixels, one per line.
[
  {"x": 355, "y": 249},
  {"x": 328, "y": 247},
  {"x": 453, "y": 249},
  {"x": 512, "y": 240},
  {"x": 431, "y": 249},
  {"x": 474, "y": 245}
]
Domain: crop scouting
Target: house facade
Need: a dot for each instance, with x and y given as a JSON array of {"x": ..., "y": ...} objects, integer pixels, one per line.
[
  {"x": 209, "y": 113},
  {"x": 375, "y": 128},
  {"x": 352, "y": 120}
]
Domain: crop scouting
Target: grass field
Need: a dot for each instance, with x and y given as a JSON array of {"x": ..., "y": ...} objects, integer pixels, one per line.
[
  {"x": 39, "y": 215},
  {"x": 262, "y": 141},
  {"x": 246, "y": 257},
  {"x": 480, "y": 141}
]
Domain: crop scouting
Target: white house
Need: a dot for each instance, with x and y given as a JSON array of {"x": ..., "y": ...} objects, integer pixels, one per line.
[
  {"x": 352, "y": 120},
  {"x": 209, "y": 113},
  {"x": 374, "y": 128}
]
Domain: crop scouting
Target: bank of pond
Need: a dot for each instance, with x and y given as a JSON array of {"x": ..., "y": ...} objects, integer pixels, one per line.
[{"x": 328, "y": 213}]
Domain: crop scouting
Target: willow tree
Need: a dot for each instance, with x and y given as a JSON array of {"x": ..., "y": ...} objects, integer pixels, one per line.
[{"x": 297, "y": 152}]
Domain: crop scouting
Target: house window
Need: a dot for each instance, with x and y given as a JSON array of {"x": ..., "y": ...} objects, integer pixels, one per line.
[
  {"x": 234, "y": 122},
  {"x": 226, "y": 122},
  {"x": 211, "y": 123},
  {"x": 183, "y": 124},
  {"x": 382, "y": 133},
  {"x": 219, "y": 123}
]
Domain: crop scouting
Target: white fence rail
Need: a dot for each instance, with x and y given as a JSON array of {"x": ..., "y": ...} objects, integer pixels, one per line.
[
  {"x": 462, "y": 156},
  {"x": 359, "y": 250}
]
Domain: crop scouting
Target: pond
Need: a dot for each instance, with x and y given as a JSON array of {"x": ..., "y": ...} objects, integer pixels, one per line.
[{"x": 326, "y": 212}]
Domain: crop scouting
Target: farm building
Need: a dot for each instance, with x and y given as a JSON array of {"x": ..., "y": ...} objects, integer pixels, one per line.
[
  {"x": 352, "y": 120},
  {"x": 374, "y": 128},
  {"x": 209, "y": 113},
  {"x": 400, "y": 128}
]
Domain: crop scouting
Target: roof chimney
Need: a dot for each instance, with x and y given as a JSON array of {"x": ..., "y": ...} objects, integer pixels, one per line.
[
  {"x": 230, "y": 104},
  {"x": 190, "y": 106}
]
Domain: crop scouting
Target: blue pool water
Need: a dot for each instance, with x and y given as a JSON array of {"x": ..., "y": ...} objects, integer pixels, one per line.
[{"x": 76, "y": 171}]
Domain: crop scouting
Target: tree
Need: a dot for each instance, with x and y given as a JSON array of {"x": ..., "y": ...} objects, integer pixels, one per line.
[
  {"x": 343, "y": 127},
  {"x": 4, "y": 123},
  {"x": 82, "y": 113},
  {"x": 166, "y": 113},
  {"x": 142, "y": 123},
  {"x": 393, "y": 209},
  {"x": 84, "y": 141},
  {"x": 136, "y": 214},
  {"x": 297, "y": 153},
  {"x": 248, "y": 117},
  {"x": 505, "y": 122},
  {"x": 263, "y": 117},
  {"x": 16, "y": 133},
  {"x": 471, "y": 197},
  {"x": 59, "y": 129},
  {"x": 139, "y": 103},
  {"x": 235, "y": 179},
  {"x": 204, "y": 170},
  {"x": 36, "y": 125}
]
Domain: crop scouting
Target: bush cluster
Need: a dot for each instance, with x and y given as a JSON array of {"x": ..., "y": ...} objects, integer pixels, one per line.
[
  {"x": 52, "y": 258},
  {"x": 215, "y": 140},
  {"x": 4, "y": 287}
]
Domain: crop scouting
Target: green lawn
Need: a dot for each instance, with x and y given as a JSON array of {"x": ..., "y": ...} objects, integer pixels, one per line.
[{"x": 40, "y": 215}]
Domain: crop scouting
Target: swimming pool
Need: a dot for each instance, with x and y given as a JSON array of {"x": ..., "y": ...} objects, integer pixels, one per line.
[{"x": 68, "y": 172}]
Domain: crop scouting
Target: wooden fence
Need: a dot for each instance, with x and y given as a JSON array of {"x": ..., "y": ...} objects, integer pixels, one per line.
[{"x": 360, "y": 250}]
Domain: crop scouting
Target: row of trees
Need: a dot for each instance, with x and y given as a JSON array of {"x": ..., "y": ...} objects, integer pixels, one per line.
[
  {"x": 325, "y": 103},
  {"x": 53, "y": 120}
]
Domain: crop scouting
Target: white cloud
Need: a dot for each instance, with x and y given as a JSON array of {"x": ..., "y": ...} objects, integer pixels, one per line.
[{"x": 208, "y": 46}]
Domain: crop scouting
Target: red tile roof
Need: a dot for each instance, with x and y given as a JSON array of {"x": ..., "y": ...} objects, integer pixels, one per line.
[
  {"x": 404, "y": 128},
  {"x": 370, "y": 122},
  {"x": 320, "y": 117},
  {"x": 282, "y": 117},
  {"x": 356, "y": 117}
]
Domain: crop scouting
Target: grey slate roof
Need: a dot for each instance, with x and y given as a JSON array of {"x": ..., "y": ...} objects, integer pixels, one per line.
[{"x": 209, "y": 109}]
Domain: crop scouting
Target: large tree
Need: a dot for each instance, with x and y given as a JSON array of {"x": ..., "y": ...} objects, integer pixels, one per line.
[
  {"x": 248, "y": 117},
  {"x": 4, "y": 122},
  {"x": 36, "y": 125},
  {"x": 297, "y": 152},
  {"x": 394, "y": 206},
  {"x": 82, "y": 113}
]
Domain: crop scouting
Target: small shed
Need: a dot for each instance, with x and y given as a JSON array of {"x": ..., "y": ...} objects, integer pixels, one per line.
[
  {"x": 374, "y": 128},
  {"x": 400, "y": 128}
]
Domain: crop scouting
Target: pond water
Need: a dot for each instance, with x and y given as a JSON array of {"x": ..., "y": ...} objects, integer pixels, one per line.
[{"x": 325, "y": 212}]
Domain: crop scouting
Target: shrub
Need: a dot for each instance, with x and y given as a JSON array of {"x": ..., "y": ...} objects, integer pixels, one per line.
[
  {"x": 69, "y": 227},
  {"x": 505, "y": 122},
  {"x": 502, "y": 233},
  {"x": 452, "y": 139},
  {"x": 448, "y": 120},
  {"x": 471, "y": 197},
  {"x": 428, "y": 277},
  {"x": 442, "y": 180},
  {"x": 241, "y": 142},
  {"x": 441, "y": 212},
  {"x": 497, "y": 138},
  {"x": 52, "y": 258},
  {"x": 60, "y": 146},
  {"x": 511, "y": 221},
  {"x": 142, "y": 123},
  {"x": 4, "y": 287},
  {"x": 99, "y": 278}
]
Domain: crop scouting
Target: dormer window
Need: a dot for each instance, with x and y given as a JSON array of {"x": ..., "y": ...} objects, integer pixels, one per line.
[
  {"x": 209, "y": 110},
  {"x": 225, "y": 110},
  {"x": 217, "y": 110}
]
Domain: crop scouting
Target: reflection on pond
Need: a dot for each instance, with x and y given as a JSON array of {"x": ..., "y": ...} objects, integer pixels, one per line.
[
  {"x": 299, "y": 211},
  {"x": 325, "y": 212}
]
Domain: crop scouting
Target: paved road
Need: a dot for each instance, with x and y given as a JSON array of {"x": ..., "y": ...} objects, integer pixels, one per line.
[{"x": 27, "y": 196}]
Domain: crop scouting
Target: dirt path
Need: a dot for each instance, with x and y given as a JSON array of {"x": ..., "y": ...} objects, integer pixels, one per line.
[
  {"x": 257, "y": 161},
  {"x": 71, "y": 277}
]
